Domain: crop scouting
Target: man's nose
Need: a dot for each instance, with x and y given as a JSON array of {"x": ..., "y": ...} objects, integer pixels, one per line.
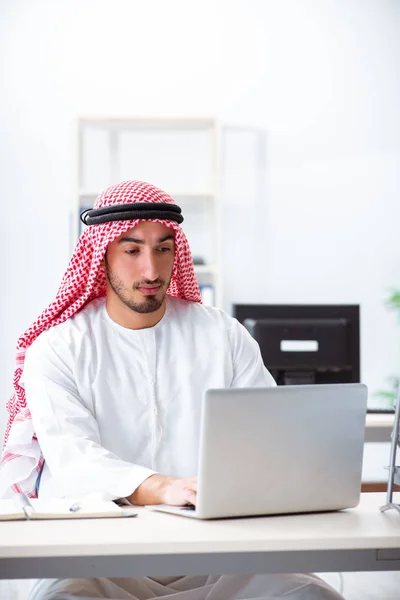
[{"x": 150, "y": 268}]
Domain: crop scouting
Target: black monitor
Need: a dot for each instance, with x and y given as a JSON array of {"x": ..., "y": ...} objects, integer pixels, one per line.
[{"x": 305, "y": 344}]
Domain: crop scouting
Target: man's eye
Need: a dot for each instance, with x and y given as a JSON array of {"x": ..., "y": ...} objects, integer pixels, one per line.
[
  {"x": 132, "y": 251},
  {"x": 164, "y": 249}
]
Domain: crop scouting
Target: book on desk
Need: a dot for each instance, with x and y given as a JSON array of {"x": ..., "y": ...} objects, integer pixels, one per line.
[{"x": 19, "y": 507}]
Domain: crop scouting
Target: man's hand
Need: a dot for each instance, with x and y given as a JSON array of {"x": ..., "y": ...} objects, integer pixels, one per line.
[{"x": 161, "y": 489}]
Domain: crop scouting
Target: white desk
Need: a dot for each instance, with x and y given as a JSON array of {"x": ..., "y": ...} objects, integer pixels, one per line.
[
  {"x": 361, "y": 539},
  {"x": 378, "y": 430},
  {"x": 379, "y": 427}
]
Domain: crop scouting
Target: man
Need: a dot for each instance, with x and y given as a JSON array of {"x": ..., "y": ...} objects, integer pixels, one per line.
[{"x": 110, "y": 381}]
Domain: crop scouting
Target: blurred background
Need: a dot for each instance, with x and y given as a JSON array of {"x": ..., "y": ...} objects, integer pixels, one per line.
[{"x": 274, "y": 123}]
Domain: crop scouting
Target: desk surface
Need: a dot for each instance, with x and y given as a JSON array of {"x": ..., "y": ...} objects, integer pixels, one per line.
[
  {"x": 380, "y": 420},
  {"x": 378, "y": 427},
  {"x": 161, "y": 544}
]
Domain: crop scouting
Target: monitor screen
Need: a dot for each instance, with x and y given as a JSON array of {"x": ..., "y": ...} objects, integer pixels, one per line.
[{"x": 305, "y": 343}]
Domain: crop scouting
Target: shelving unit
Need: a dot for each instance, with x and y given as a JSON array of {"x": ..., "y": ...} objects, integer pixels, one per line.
[{"x": 181, "y": 156}]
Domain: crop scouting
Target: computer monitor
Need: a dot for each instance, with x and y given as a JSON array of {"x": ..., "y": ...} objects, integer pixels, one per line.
[{"x": 305, "y": 344}]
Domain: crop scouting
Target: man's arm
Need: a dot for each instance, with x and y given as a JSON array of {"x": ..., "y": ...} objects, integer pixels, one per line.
[
  {"x": 248, "y": 366},
  {"x": 69, "y": 437}
]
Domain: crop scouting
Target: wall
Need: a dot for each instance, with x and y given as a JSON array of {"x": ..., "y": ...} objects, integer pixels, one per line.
[{"x": 321, "y": 77}]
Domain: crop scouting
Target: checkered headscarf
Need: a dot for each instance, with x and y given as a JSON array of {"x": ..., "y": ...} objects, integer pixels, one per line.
[{"x": 83, "y": 281}]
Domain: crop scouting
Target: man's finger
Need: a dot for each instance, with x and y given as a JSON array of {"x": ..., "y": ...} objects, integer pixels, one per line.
[{"x": 190, "y": 497}]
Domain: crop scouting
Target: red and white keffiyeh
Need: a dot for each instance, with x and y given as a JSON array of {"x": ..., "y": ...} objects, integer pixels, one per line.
[{"x": 83, "y": 281}]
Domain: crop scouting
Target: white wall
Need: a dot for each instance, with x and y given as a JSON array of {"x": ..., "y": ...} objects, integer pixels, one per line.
[{"x": 320, "y": 76}]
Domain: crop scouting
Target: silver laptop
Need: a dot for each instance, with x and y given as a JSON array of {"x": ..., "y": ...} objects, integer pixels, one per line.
[{"x": 279, "y": 450}]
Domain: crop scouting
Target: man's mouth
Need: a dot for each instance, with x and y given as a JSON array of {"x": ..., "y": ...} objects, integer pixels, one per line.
[{"x": 148, "y": 291}]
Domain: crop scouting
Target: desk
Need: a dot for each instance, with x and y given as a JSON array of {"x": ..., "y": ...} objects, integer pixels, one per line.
[
  {"x": 379, "y": 427},
  {"x": 361, "y": 539}
]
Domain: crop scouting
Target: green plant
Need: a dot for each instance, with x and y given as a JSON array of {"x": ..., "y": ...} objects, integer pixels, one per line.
[{"x": 392, "y": 303}]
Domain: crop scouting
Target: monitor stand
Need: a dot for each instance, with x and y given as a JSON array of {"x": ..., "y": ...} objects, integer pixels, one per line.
[{"x": 394, "y": 471}]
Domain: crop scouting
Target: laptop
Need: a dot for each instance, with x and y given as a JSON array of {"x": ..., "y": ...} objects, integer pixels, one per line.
[{"x": 279, "y": 450}]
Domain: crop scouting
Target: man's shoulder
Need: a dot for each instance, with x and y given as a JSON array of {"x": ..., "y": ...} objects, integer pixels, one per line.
[
  {"x": 199, "y": 313},
  {"x": 73, "y": 328}
]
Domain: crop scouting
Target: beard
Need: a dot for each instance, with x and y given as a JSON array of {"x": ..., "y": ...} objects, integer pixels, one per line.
[{"x": 149, "y": 303}]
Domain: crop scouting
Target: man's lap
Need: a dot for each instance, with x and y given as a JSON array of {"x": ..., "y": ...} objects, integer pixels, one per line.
[{"x": 226, "y": 587}]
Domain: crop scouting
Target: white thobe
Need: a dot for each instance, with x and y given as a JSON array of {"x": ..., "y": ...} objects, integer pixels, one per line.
[{"x": 111, "y": 406}]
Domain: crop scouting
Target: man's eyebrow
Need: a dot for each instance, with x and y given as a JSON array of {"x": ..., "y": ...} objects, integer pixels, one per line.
[
  {"x": 132, "y": 240},
  {"x": 165, "y": 238}
]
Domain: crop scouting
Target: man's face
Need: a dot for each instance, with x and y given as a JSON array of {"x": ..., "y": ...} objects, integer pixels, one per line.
[{"x": 139, "y": 266}]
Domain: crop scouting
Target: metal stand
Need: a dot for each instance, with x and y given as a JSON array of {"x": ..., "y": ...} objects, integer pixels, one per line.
[{"x": 394, "y": 472}]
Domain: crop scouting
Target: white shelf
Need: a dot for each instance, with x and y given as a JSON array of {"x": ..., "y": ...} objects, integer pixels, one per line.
[
  {"x": 195, "y": 196},
  {"x": 192, "y": 196},
  {"x": 89, "y": 193},
  {"x": 206, "y": 269},
  {"x": 146, "y": 123}
]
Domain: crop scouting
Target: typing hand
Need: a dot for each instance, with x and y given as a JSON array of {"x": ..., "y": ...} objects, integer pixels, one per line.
[
  {"x": 161, "y": 489},
  {"x": 181, "y": 491}
]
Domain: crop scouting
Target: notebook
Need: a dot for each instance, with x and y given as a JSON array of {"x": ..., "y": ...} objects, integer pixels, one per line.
[{"x": 20, "y": 508}]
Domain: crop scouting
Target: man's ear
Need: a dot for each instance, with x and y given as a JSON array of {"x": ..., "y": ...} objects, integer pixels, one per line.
[{"x": 103, "y": 261}]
